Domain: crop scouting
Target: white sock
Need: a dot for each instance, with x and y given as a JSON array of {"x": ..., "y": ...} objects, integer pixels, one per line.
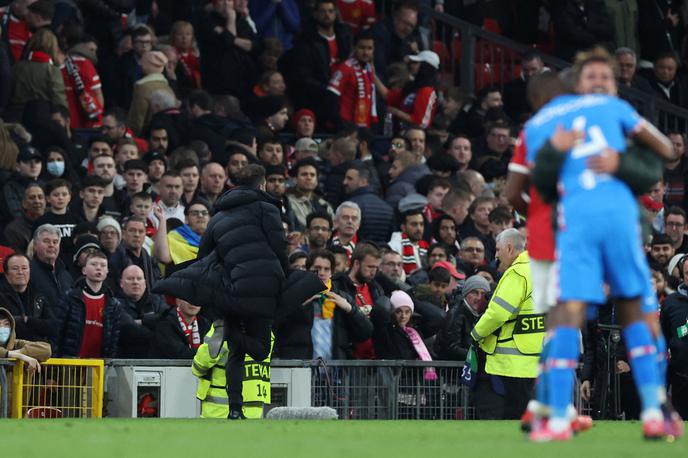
[
  {"x": 558, "y": 425},
  {"x": 651, "y": 414}
]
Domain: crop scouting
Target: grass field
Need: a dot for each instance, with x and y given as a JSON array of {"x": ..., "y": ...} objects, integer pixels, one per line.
[{"x": 327, "y": 439}]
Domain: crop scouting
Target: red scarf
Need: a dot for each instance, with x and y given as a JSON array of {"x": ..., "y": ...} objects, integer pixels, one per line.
[
  {"x": 430, "y": 213},
  {"x": 408, "y": 254},
  {"x": 365, "y": 104},
  {"x": 190, "y": 330},
  {"x": 191, "y": 66},
  {"x": 349, "y": 247},
  {"x": 39, "y": 56}
]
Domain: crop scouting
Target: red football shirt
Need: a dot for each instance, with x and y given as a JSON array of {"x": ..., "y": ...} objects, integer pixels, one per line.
[
  {"x": 420, "y": 105},
  {"x": 89, "y": 76},
  {"x": 92, "y": 338},
  {"x": 353, "y": 83},
  {"x": 357, "y": 14},
  {"x": 539, "y": 223},
  {"x": 18, "y": 33}
]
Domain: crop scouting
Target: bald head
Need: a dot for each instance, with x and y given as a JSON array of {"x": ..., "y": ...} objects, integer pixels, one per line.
[{"x": 133, "y": 283}]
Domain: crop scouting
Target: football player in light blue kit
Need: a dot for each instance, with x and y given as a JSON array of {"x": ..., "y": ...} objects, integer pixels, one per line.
[{"x": 598, "y": 242}]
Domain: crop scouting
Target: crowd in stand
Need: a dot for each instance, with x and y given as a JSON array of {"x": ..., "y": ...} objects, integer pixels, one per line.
[{"x": 122, "y": 128}]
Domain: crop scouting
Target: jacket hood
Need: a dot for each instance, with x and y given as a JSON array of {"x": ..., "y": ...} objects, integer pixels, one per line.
[
  {"x": 413, "y": 173},
  {"x": 242, "y": 195},
  {"x": 682, "y": 290},
  {"x": 4, "y": 313}
]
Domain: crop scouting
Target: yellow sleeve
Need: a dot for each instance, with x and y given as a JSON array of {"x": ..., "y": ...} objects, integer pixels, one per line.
[
  {"x": 505, "y": 304},
  {"x": 202, "y": 362}
]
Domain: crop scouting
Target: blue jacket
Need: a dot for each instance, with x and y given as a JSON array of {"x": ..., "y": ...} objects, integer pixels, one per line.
[
  {"x": 377, "y": 217},
  {"x": 276, "y": 19},
  {"x": 405, "y": 184}
]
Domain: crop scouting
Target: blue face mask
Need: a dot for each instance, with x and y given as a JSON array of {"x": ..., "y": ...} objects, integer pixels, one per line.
[
  {"x": 4, "y": 335},
  {"x": 56, "y": 168}
]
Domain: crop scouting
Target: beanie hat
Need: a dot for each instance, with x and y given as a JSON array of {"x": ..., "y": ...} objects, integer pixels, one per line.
[
  {"x": 84, "y": 242},
  {"x": 296, "y": 117},
  {"x": 269, "y": 105},
  {"x": 155, "y": 59},
  {"x": 109, "y": 221},
  {"x": 401, "y": 299},
  {"x": 475, "y": 282}
]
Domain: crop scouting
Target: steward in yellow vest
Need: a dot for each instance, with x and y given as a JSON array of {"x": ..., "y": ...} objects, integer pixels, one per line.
[
  {"x": 212, "y": 386},
  {"x": 510, "y": 332}
]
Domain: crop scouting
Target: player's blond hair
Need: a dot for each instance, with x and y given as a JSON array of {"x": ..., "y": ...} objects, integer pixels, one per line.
[{"x": 596, "y": 54}]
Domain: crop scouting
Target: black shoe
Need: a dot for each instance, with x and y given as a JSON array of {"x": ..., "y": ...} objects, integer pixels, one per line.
[{"x": 236, "y": 415}]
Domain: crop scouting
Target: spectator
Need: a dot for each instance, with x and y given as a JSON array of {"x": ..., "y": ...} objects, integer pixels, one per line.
[
  {"x": 438, "y": 187},
  {"x": 396, "y": 37},
  {"x": 456, "y": 204},
  {"x": 110, "y": 234},
  {"x": 128, "y": 69},
  {"x": 88, "y": 206},
  {"x": 515, "y": 103},
  {"x": 302, "y": 197},
  {"x": 226, "y": 41},
  {"x": 181, "y": 244},
  {"x": 675, "y": 176},
  {"x": 131, "y": 252},
  {"x": 478, "y": 224},
  {"x": 48, "y": 272},
  {"x": 435, "y": 253},
  {"x": 84, "y": 245},
  {"x": 157, "y": 166},
  {"x": 279, "y": 20},
  {"x": 376, "y": 215},
  {"x": 58, "y": 214},
  {"x": 271, "y": 114},
  {"x": 270, "y": 83},
  {"x": 318, "y": 231},
  {"x": 409, "y": 242},
  {"x": 675, "y": 228},
  {"x": 489, "y": 103},
  {"x": 27, "y": 170},
  {"x": 666, "y": 82},
  {"x": 357, "y": 14},
  {"x": 140, "y": 112},
  {"x": 392, "y": 265},
  {"x": 89, "y": 315},
  {"x": 183, "y": 40},
  {"x": 580, "y": 24},
  {"x": 311, "y": 59},
  {"x": 352, "y": 84},
  {"x": 304, "y": 124},
  {"x": 472, "y": 255},
  {"x": 37, "y": 76},
  {"x": 158, "y": 139},
  {"x": 444, "y": 232},
  {"x": 212, "y": 182},
  {"x": 58, "y": 165},
  {"x": 31, "y": 353},
  {"x": 342, "y": 153},
  {"x": 105, "y": 168},
  {"x": 34, "y": 319},
  {"x": 326, "y": 327},
  {"x": 141, "y": 312},
  {"x": 276, "y": 186},
  {"x": 416, "y": 137},
  {"x": 660, "y": 27},
  {"x": 98, "y": 145},
  {"x": 628, "y": 75},
  {"x": 114, "y": 125},
  {"x": 396, "y": 338},
  {"x": 359, "y": 282},
  {"x": 83, "y": 90},
  {"x": 673, "y": 318},
  {"x": 459, "y": 147},
  {"x": 493, "y": 161},
  {"x": 188, "y": 170},
  {"x": 18, "y": 232},
  {"x": 347, "y": 221},
  {"x": 297, "y": 260},
  {"x": 206, "y": 125},
  {"x": 170, "y": 191},
  {"x": 17, "y": 32},
  {"x": 416, "y": 102},
  {"x": 270, "y": 151},
  {"x": 404, "y": 173},
  {"x": 662, "y": 251}
]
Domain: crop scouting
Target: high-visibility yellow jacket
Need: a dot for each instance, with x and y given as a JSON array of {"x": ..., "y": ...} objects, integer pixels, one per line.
[
  {"x": 212, "y": 390},
  {"x": 510, "y": 332}
]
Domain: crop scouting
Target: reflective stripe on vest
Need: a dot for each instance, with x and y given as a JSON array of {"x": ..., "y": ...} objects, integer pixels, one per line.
[
  {"x": 505, "y": 305},
  {"x": 217, "y": 400},
  {"x": 475, "y": 335}
]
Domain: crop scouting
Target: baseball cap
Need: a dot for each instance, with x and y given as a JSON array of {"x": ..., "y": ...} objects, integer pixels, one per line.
[
  {"x": 154, "y": 156},
  {"x": 429, "y": 57},
  {"x": 29, "y": 153},
  {"x": 450, "y": 268},
  {"x": 306, "y": 144}
]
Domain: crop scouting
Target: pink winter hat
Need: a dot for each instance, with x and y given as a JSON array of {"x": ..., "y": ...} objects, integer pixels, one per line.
[{"x": 401, "y": 299}]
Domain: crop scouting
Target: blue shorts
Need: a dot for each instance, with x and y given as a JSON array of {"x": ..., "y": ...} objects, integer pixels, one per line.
[{"x": 602, "y": 250}]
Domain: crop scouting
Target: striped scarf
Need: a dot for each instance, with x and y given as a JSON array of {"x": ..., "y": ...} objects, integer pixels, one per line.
[
  {"x": 349, "y": 247},
  {"x": 190, "y": 330},
  {"x": 408, "y": 253}
]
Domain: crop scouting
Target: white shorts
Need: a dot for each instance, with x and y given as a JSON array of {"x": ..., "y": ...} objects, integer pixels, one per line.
[{"x": 545, "y": 290}]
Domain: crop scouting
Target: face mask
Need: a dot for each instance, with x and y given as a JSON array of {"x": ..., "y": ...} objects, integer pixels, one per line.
[
  {"x": 4, "y": 335},
  {"x": 56, "y": 168}
]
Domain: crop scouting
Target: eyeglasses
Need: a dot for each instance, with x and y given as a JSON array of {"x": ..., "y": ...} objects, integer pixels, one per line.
[
  {"x": 398, "y": 144},
  {"x": 199, "y": 213},
  {"x": 675, "y": 224}
]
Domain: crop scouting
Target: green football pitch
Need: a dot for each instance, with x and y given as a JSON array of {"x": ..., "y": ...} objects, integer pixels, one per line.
[{"x": 326, "y": 439}]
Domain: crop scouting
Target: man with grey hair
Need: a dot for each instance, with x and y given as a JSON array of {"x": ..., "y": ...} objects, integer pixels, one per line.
[
  {"x": 510, "y": 331},
  {"x": 347, "y": 221},
  {"x": 48, "y": 272},
  {"x": 627, "y": 62}
]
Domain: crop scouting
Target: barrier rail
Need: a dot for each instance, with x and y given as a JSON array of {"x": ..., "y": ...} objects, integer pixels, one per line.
[
  {"x": 4, "y": 387},
  {"x": 64, "y": 388}
]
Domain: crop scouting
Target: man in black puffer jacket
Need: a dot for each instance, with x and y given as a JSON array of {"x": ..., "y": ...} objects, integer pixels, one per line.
[{"x": 247, "y": 235}]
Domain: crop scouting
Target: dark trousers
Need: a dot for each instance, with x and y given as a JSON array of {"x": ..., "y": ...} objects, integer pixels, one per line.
[
  {"x": 244, "y": 336},
  {"x": 517, "y": 393}
]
